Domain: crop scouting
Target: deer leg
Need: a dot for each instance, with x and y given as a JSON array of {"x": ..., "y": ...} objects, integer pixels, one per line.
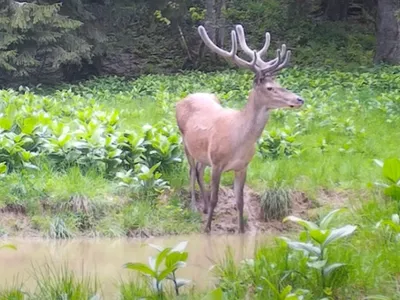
[
  {"x": 200, "y": 180},
  {"x": 215, "y": 180},
  {"x": 192, "y": 174},
  {"x": 240, "y": 179}
]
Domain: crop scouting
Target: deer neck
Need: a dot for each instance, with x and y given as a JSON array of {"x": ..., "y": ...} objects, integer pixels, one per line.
[{"x": 254, "y": 118}]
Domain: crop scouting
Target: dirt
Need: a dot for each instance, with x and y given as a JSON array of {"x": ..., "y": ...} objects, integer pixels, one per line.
[
  {"x": 17, "y": 224},
  {"x": 226, "y": 219}
]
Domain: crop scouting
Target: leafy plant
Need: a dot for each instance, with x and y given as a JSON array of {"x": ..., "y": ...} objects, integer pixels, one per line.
[
  {"x": 391, "y": 172},
  {"x": 318, "y": 238},
  {"x": 277, "y": 143},
  {"x": 172, "y": 259}
]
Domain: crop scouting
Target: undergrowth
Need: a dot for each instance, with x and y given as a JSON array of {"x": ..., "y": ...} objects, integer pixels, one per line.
[{"x": 104, "y": 157}]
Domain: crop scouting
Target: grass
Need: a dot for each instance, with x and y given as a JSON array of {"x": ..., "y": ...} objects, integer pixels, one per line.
[{"x": 350, "y": 119}]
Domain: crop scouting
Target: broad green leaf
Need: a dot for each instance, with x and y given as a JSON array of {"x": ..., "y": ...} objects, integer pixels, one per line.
[
  {"x": 391, "y": 169},
  {"x": 286, "y": 291},
  {"x": 164, "y": 273},
  {"x": 175, "y": 257},
  {"x": 319, "y": 235},
  {"x": 308, "y": 247},
  {"x": 161, "y": 256},
  {"x": 338, "y": 234},
  {"x": 5, "y": 123},
  {"x": 332, "y": 267},
  {"x": 3, "y": 168},
  {"x": 306, "y": 224},
  {"x": 140, "y": 268},
  {"x": 29, "y": 125},
  {"x": 393, "y": 191},
  {"x": 328, "y": 218},
  {"x": 215, "y": 294}
]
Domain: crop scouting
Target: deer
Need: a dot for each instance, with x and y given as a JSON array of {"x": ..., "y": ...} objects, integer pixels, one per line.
[{"x": 222, "y": 138}]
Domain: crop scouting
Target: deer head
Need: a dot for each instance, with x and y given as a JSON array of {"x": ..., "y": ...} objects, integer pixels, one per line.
[{"x": 266, "y": 91}]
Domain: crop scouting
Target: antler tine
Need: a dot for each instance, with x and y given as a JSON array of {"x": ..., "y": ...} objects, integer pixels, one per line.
[
  {"x": 264, "y": 67},
  {"x": 284, "y": 63},
  {"x": 246, "y": 48},
  {"x": 229, "y": 55},
  {"x": 264, "y": 49},
  {"x": 278, "y": 63}
]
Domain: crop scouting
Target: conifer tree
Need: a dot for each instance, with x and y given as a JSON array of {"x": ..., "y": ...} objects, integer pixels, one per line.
[{"x": 36, "y": 39}]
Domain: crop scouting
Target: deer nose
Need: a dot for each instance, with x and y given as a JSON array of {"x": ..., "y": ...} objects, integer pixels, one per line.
[{"x": 300, "y": 100}]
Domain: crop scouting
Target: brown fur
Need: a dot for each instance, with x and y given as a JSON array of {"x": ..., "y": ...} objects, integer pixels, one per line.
[{"x": 224, "y": 139}]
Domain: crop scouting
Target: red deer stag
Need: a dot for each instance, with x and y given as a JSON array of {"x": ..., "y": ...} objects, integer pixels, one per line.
[{"x": 225, "y": 139}]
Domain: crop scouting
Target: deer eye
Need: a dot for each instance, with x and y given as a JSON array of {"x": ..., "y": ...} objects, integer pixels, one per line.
[{"x": 269, "y": 88}]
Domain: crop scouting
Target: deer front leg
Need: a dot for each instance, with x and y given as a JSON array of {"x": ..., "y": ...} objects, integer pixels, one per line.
[
  {"x": 240, "y": 179},
  {"x": 215, "y": 180},
  {"x": 192, "y": 174},
  {"x": 200, "y": 180}
]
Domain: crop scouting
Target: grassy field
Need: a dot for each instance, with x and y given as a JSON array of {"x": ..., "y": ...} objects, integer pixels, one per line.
[{"x": 94, "y": 159}]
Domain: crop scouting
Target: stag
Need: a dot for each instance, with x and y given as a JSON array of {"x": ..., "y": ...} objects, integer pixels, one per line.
[{"x": 223, "y": 138}]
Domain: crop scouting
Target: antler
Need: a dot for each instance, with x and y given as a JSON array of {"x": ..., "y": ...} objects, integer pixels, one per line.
[{"x": 257, "y": 65}]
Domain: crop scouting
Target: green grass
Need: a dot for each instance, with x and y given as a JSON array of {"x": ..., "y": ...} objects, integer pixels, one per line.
[
  {"x": 69, "y": 175},
  {"x": 349, "y": 119}
]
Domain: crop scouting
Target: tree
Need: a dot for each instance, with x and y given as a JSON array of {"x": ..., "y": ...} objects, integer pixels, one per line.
[
  {"x": 37, "y": 40},
  {"x": 388, "y": 32}
]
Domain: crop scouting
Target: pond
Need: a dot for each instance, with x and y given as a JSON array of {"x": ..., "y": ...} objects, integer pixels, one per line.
[{"x": 105, "y": 257}]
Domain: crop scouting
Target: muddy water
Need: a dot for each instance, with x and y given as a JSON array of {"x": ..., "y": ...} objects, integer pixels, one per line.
[{"x": 105, "y": 257}]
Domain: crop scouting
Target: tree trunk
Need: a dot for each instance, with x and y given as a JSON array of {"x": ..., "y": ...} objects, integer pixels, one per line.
[
  {"x": 388, "y": 32},
  {"x": 220, "y": 10},
  {"x": 210, "y": 21}
]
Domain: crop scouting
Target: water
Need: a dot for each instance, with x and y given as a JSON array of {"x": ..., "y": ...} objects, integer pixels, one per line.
[{"x": 105, "y": 257}]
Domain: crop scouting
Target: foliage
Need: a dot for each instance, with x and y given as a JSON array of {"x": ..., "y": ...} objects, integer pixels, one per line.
[
  {"x": 71, "y": 130},
  {"x": 60, "y": 283},
  {"x": 37, "y": 39},
  {"x": 278, "y": 143},
  {"x": 172, "y": 259},
  {"x": 391, "y": 172},
  {"x": 315, "y": 244}
]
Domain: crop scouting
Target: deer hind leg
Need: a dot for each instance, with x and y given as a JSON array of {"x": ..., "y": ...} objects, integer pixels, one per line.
[
  {"x": 215, "y": 180},
  {"x": 240, "y": 179},
  {"x": 200, "y": 180},
  {"x": 192, "y": 174}
]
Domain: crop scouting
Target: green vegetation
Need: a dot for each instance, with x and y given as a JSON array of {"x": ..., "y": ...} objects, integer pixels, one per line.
[
  {"x": 104, "y": 158},
  {"x": 95, "y": 158}
]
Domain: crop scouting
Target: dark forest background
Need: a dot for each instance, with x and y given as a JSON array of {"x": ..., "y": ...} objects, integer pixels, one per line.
[{"x": 46, "y": 41}]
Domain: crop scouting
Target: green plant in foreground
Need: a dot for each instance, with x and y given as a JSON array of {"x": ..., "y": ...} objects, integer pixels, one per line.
[
  {"x": 318, "y": 238},
  {"x": 391, "y": 227},
  {"x": 391, "y": 172},
  {"x": 172, "y": 259}
]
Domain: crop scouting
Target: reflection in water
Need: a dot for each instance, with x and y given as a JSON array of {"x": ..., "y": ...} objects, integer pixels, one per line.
[{"x": 105, "y": 257}]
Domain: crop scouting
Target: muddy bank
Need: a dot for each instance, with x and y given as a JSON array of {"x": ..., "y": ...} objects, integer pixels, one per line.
[{"x": 14, "y": 222}]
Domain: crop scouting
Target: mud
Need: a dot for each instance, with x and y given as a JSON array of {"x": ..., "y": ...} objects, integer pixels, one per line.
[{"x": 226, "y": 218}]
